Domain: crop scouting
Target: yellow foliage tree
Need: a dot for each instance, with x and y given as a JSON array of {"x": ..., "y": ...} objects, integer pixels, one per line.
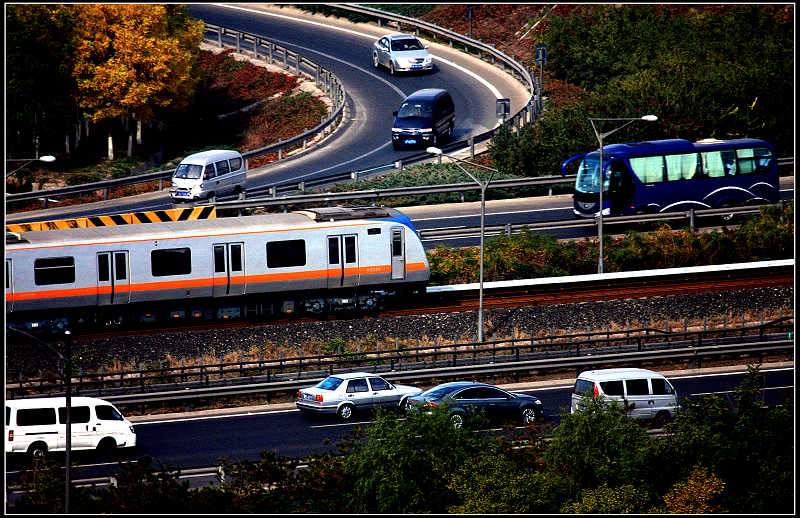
[
  {"x": 132, "y": 59},
  {"x": 696, "y": 495}
]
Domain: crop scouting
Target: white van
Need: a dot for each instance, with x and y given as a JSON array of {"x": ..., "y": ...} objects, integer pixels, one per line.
[
  {"x": 646, "y": 394},
  {"x": 38, "y": 425},
  {"x": 208, "y": 174}
]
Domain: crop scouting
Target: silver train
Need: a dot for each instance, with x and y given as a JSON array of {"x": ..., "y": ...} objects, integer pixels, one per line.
[{"x": 314, "y": 261}]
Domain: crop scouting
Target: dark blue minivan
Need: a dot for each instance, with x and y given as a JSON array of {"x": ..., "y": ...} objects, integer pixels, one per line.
[{"x": 425, "y": 118}]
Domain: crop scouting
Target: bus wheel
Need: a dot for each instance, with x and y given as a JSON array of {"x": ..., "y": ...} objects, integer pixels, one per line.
[{"x": 727, "y": 218}]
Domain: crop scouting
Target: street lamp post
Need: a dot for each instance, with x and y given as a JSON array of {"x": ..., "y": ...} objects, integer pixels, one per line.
[
  {"x": 600, "y": 137},
  {"x": 483, "y": 185},
  {"x": 28, "y": 161},
  {"x": 68, "y": 393}
]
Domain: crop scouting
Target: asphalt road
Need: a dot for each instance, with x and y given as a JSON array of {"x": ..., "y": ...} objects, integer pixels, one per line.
[{"x": 200, "y": 439}]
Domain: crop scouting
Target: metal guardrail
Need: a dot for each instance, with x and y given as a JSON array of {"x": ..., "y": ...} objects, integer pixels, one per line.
[{"x": 288, "y": 374}]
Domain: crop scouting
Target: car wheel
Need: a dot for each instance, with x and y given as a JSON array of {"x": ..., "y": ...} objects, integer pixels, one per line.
[
  {"x": 457, "y": 420},
  {"x": 37, "y": 450},
  {"x": 396, "y": 146},
  {"x": 528, "y": 415},
  {"x": 345, "y": 412},
  {"x": 391, "y": 67},
  {"x": 375, "y": 62}
]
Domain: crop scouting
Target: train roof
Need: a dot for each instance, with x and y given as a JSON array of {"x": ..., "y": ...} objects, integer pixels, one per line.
[
  {"x": 309, "y": 218},
  {"x": 676, "y": 146}
]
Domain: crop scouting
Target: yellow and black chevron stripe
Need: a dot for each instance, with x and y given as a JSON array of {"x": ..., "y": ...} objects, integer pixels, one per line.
[{"x": 154, "y": 216}]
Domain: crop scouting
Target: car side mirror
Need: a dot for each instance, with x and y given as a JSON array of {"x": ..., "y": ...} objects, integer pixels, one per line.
[{"x": 426, "y": 46}]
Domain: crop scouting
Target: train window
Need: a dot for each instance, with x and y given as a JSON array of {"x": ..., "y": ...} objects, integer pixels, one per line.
[
  {"x": 236, "y": 258},
  {"x": 373, "y": 231},
  {"x": 219, "y": 258},
  {"x": 333, "y": 250},
  {"x": 103, "y": 268},
  {"x": 120, "y": 266},
  {"x": 283, "y": 254},
  {"x": 174, "y": 261},
  {"x": 54, "y": 270},
  {"x": 397, "y": 243},
  {"x": 349, "y": 249}
]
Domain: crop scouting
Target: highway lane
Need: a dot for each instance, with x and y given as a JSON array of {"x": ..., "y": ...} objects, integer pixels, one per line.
[{"x": 195, "y": 440}]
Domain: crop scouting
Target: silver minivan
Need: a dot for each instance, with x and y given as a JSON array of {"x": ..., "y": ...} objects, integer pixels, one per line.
[
  {"x": 644, "y": 393},
  {"x": 208, "y": 174}
]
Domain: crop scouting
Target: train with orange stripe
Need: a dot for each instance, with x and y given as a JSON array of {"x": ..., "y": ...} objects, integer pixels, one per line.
[{"x": 309, "y": 261}]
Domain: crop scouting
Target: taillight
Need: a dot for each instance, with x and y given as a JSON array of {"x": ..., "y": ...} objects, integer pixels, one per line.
[
  {"x": 299, "y": 395},
  {"x": 431, "y": 403},
  {"x": 10, "y": 435},
  {"x": 318, "y": 397},
  {"x": 596, "y": 390}
]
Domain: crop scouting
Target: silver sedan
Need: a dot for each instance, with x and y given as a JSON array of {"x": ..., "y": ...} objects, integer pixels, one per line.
[
  {"x": 343, "y": 394},
  {"x": 401, "y": 53}
]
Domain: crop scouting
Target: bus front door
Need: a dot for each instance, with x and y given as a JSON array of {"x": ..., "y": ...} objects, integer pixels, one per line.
[{"x": 621, "y": 191}]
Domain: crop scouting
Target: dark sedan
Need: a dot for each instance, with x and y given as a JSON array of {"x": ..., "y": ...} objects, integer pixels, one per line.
[{"x": 465, "y": 397}]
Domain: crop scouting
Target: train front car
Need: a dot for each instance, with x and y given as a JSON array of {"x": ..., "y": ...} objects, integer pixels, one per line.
[{"x": 312, "y": 261}]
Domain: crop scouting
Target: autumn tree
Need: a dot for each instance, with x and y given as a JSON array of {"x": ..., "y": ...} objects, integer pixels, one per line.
[{"x": 133, "y": 59}]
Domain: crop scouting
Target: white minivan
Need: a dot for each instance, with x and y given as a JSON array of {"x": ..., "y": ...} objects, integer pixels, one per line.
[
  {"x": 38, "y": 425},
  {"x": 644, "y": 393},
  {"x": 208, "y": 174}
]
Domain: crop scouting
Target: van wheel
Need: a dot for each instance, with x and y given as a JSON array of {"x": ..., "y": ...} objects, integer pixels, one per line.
[
  {"x": 37, "y": 450},
  {"x": 661, "y": 419},
  {"x": 345, "y": 412},
  {"x": 237, "y": 190},
  {"x": 106, "y": 446}
]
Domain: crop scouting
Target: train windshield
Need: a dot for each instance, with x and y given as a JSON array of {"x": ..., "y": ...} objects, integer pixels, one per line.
[
  {"x": 190, "y": 171},
  {"x": 589, "y": 174}
]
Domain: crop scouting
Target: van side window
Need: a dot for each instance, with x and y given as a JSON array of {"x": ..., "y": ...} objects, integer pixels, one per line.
[
  {"x": 77, "y": 414},
  {"x": 637, "y": 387},
  {"x": 236, "y": 164},
  {"x": 661, "y": 387},
  {"x": 107, "y": 413},
  {"x": 36, "y": 416},
  {"x": 209, "y": 172},
  {"x": 222, "y": 167},
  {"x": 612, "y": 388}
]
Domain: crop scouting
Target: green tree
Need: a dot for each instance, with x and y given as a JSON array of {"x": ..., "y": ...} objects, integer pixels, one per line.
[
  {"x": 40, "y": 103},
  {"x": 624, "y": 499}
]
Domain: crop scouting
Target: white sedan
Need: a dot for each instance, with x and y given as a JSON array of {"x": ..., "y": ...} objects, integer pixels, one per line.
[
  {"x": 401, "y": 52},
  {"x": 343, "y": 394}
]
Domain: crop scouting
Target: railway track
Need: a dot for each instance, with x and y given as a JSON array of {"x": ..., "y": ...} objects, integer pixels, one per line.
[{"x": 498, "y": 296}]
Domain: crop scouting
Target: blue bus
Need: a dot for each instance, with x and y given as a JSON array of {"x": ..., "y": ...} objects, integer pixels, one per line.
[{"x": 675, "y": 174}]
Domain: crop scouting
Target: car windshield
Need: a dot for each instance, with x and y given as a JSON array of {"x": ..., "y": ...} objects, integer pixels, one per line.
[
  {"x": 329, "y": 383},
  {"x": 414, "y": 110},
  {"x": 439, "y": 392},
  {"x": 407, "y": 44},
  {"x": 589, "y": 174},
  {"x": 188, "y": 171}
]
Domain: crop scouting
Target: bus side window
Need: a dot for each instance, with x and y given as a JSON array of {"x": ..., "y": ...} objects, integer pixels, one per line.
[
  {"x": 729, "y": 162},
  {"x": 683, "y": 167},
  {"x": 649, "y": 169},
  {"x": 712, "y": 164}
]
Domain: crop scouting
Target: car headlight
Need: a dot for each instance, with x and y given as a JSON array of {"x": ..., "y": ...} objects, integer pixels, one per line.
[
  {"x": 397, "y": 130},
  {"x": 537, "y": 402},
  {"x": 426, "y": 130}
]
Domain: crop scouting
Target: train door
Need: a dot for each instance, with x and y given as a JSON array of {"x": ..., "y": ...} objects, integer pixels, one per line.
[
  {"x": 398, "y": 254},
  {"x": 229, "y": 276},
  {"x": 343, "y": 261},
  {"x": 113, "y": 278},
  {"x": 9, "y": 288}
]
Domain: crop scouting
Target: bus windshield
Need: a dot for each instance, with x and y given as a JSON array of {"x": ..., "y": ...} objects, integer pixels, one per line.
[{"x": 589, "y": 174}]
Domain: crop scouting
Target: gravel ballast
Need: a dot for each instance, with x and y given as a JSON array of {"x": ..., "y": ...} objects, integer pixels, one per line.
[{"x": 518, "y": 322}]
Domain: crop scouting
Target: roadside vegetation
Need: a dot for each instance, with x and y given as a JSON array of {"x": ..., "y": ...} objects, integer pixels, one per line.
[
  {"x": 137, "y": 94},
  {"x": 767, "y": 236},
  {"x": 720, "y": 454}
]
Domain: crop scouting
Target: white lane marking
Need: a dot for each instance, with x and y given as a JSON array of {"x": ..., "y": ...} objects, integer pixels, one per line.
[
  {"x": 199, "y": 418},
  {"x": 492, "y": 213},
  {"x": 470, "y": 73},
  {"x": 732, "y": 391},
  {"x": 340, "y": 424}
]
